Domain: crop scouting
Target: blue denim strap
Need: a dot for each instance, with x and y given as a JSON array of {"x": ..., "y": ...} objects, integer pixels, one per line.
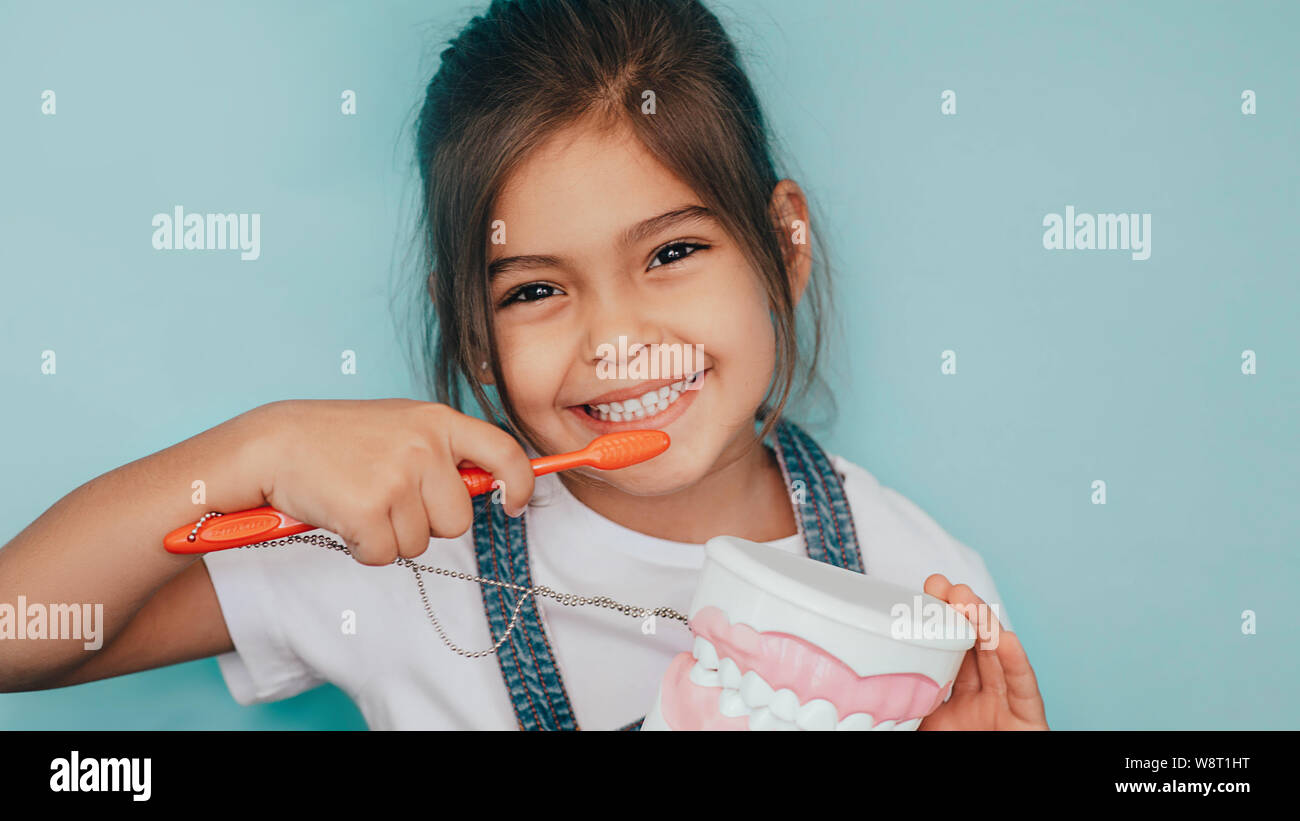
[
  {"x": 817, "y": 493},
  {"x": 527, "y": 661}
]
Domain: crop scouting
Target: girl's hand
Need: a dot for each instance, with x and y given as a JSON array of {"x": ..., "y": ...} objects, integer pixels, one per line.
[
  {"x": 995, "y": 688},
  {"x": 381, "y": 473}
]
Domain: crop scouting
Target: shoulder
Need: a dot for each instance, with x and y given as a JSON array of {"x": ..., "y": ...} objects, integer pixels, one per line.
[{"x": 903, "y": 544}]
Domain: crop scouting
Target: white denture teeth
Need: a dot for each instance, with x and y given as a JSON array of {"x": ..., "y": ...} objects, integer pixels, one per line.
[
  {"x": 754, "y": 690},
  {"x": 817, "y": 715},
  {"x": 730, "y": 673},
  {"x": 785, "y": 704},
  {"x": 731, "y": 705},
  {"x": 704, "y": 653},
  {"x": 705, "y": 677},
  {"x": 766, "y": 719},
  {"x": 749, "y": 694},
  {"x": 857, "y": 721}
]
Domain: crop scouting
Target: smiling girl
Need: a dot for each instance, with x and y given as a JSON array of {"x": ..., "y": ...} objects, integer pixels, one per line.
[{"x": 592, "y": 170}]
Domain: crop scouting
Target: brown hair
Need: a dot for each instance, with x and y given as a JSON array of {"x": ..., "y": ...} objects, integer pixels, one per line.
[{"x": 525, "y": 69}]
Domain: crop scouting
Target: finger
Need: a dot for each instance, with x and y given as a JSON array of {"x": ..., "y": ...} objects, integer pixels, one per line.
[
  {"x": 986, "y": 657},
  {"x": 968, "y": 677},
  {"x": 410, "y": 524},
  {"x": 495, "y": 451},
  {"x": 447, "y": 506},
  {"x": 374, "y": 543},
  {"x": 1022, "y": 685},
  {"x": 937, "y": 585}
]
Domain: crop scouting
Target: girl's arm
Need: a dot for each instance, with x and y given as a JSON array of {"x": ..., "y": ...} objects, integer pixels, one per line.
[
  {"x": 380, "y": 473},
  {"x": 102, "y": 544}
]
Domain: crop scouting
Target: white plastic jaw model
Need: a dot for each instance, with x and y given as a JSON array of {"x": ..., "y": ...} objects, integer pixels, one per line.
[{"x": 785, "y": 642}]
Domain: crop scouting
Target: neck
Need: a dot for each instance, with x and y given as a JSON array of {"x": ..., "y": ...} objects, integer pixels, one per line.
[{"x": 744, "y": 496}]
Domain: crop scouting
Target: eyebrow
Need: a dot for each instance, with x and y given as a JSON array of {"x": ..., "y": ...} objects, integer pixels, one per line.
[{"x": 633, "y": 235}]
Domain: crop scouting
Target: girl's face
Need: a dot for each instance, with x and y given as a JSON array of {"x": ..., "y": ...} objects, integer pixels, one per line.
[{"x": 602, "y": 242}]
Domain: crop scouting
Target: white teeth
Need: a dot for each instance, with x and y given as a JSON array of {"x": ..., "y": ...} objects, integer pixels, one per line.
[
  {"x": 730, "y": 673},
  {"x": 704, "y": 653},
  {"x": 754, "y": 690},
  {"x": 785, "y": 704},
  {"x": 750, "y": 695},
  {"x": 704, "y": 677},
  {"x": 647, "y": 405},
  {"x": 731, "y": 705},
  {"x": 766, "y": 719},
  {"x": 817, "y": 715},
  {"x": 857, "y": 721}
]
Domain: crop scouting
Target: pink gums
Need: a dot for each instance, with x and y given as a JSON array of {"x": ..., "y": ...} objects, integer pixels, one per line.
[{"x": 788, "y": 662}]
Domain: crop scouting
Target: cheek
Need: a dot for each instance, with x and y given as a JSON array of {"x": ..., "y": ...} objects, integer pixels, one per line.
[
  {"x": 530, "y": 368},
  {"x": 744, "y": 341}
]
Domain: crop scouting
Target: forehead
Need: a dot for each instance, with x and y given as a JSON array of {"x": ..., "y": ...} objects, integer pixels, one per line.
[{"x": 584, "y": 185}]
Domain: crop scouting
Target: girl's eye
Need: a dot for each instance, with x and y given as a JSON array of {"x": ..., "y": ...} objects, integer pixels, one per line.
[
  {"x": 674, "y": 252},
  {"x": 532, "y": 292}
]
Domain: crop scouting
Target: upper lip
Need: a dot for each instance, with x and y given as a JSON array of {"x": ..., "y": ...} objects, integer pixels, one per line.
[{"x": 635, "y": 392}]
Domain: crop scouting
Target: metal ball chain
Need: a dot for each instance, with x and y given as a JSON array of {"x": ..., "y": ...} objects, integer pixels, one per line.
[{"x": 567, "y": 599}]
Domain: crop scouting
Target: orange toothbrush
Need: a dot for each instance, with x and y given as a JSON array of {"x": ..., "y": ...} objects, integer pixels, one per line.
[{"x": 262, "y": 524}]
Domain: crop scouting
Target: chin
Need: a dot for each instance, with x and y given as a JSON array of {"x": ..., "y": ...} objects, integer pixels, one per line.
[{"x": 660, "y": 476}]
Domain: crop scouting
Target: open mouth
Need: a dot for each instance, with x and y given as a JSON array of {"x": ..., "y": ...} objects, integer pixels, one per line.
[{"x": 647, "y": 406}]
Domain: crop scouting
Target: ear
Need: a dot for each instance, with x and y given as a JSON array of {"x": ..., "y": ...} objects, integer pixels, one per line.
[{"x": 789, "y": 210}]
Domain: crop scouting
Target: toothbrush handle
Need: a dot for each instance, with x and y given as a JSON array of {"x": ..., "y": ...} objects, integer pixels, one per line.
[
  {"x": 259, "y": 524},
  {"x": 262, "y": 524}
]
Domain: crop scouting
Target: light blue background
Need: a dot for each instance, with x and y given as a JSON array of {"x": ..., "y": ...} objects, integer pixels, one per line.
[{"x": 1072, "y": 366}]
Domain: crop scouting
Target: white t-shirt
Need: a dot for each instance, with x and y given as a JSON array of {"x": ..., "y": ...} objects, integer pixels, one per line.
[{"x": 300, "y": 615}]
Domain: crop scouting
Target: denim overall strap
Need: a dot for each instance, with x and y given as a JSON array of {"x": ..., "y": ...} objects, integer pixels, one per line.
[
  {"x": 526, "y": 658},
  {"x": 820, "y": 505}
]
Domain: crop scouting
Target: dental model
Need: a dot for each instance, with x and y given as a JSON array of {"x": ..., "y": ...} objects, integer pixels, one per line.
[{"x": 785, "y": 642}]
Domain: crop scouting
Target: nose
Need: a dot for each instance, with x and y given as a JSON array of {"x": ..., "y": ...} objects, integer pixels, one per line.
[{"x": 620, "y": 325}]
